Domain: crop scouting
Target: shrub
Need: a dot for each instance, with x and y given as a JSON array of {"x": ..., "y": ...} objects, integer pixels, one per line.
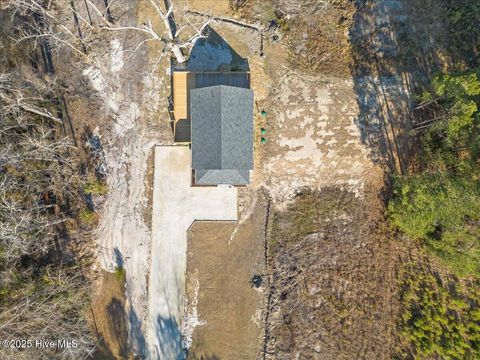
[
  {"x": 87, "y": 216},
  {"x": 120, "y": 273},
  {"x": 95, "y": 188},
  {"x": 444, "y": 211},
  {"x": 439, "y": 323}
]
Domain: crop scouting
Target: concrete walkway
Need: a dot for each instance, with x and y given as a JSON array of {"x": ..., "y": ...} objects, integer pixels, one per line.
[{"x": 176, "y": 205}]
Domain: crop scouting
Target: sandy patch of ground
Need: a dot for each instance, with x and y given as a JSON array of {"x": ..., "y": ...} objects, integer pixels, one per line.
[
  {"x": 219, "y": 271},
  {"x": 131, "y": 116},
  {"x": 123, "y": 236},
  {"x": 312, "y": 137}
]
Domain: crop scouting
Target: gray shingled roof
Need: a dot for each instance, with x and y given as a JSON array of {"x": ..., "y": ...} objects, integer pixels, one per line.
[
  {"x": 232, "y": 78},
  {"x": 222, "y": 134}
]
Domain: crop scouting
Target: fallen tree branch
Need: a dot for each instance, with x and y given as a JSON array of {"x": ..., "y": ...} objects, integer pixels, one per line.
[{"x": 227, "y": 20}]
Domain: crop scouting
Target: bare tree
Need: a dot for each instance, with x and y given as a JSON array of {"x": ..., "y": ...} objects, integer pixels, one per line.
[
  {"x": 44, "y": 25},
  {"x": 29, "y": 149},
  {"x": 50, "y": 24},
  {"x": 13, "y": 100},
  {"x": 170, "y": 36}
]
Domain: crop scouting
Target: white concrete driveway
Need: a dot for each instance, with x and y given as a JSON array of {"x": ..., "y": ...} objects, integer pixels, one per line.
[{"x": 176, "y": 205}]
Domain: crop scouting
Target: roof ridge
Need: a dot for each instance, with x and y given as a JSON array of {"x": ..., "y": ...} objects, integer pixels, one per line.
[
  {"x": 209, "y": 171},
  {"x": 239, "y": 174}
]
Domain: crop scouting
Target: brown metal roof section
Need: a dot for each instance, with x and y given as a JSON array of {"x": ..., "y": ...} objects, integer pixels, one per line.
[
  {"x": 182, "y": 82},
  {"x": 180, "y": 93}
]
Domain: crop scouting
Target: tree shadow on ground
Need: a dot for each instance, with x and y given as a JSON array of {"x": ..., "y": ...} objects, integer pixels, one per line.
[
  {"x": 169, "y": 339},
  {"x": 396, "y": 48},
  {"x": 138, "y": 339},
  {"x": 118, "y": 326},
  {"x": 117, "y": 255},
  {"x": 103, "y": 351}
]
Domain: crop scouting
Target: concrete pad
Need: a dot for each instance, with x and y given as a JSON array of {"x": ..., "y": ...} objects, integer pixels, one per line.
[{"x": 176, "y": 205}]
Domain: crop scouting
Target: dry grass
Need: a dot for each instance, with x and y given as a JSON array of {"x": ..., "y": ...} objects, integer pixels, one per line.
[
  {"x": 108, "y": 317},
  {"x": 334, "y": 279},
  {"x": 319, "y": 40},
  {"x": 221, "y": 268},
  {"x": 315, "y": 33}
]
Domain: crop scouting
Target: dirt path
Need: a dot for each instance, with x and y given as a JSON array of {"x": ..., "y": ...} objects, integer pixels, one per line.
[{"x": 129, "y": 123}]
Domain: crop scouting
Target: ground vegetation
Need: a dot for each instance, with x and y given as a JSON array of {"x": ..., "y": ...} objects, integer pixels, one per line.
[
  {"x": 439, "y": 201},
  {"x": 334, "y": 289},
  {"x": 45, "y": 247}
]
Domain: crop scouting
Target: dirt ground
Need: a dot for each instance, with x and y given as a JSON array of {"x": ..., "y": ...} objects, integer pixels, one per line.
[
  {"x": 312, "y": 137},
  {"x": 108, "y": 319},
  {"x": 219, "y": 273},
  {"x": 214, "y": 7}
]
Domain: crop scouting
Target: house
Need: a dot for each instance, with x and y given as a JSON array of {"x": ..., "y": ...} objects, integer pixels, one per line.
[{"x": 212, "y": 110}]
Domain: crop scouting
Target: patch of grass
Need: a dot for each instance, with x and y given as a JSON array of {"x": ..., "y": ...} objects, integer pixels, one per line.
[
  {"x": 311, "y": 211},
  {"x": 96, "y": 187},
  {"x": 4, "y": 292},
  {"x": 87, "y": 216},
  {"x": 120, "y": 273}
]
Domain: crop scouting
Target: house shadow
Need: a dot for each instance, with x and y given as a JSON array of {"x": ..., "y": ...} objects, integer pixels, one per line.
[
  {"x": 213, "y": 53},
  {"x": 396, "y": 49}
]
